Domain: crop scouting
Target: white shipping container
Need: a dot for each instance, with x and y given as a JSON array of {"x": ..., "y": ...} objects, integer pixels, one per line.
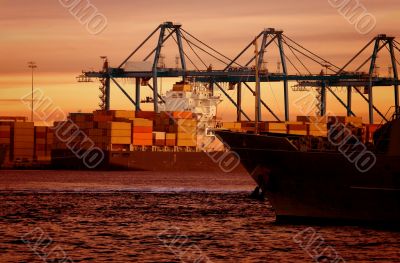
[
  {"x": 159, "y": 135},
  {"x": 138, "y": 66}
]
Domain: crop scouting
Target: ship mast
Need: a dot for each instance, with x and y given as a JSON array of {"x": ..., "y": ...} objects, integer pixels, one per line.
[{"x": 257, "y": 90}]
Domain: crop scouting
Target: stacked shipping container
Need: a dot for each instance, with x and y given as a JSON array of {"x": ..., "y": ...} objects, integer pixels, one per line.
[
  {"x": 170, "y": 139},
  {"x": 23, "y": 141},
  {"x": 159, "y": 138},
  {"x": 142, "y": 132},
  {"x": 117, "y": 134},
  {"x": 5, "y": 139},
  {"x": 43, "y": 143},
  {"x": 112, "y": 115},
  {"x": 233, "y": 126},
  {"x": 186, "y": 132},
  {"x": 180, "y": 128},
  {"x": 297, "y": 128}
]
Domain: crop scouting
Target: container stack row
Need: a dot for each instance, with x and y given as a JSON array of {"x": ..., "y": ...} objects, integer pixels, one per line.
[
  {"x": 43, "y": 143},
  {"x": 22, "y": 142},
  {"x": 180, "y": 127},
  {"x": 121, "y": 130}
]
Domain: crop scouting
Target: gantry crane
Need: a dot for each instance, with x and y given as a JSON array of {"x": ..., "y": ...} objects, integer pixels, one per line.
[{"x": 240, "y": 75}]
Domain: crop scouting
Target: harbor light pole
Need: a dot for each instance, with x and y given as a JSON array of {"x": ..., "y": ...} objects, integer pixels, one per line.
[{"x": 32, "y": 65}]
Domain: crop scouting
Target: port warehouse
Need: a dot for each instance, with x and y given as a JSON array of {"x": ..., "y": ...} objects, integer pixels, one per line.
[{"x": 127, "y": 131}]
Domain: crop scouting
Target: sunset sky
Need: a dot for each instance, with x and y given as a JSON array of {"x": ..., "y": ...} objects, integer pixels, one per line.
[{"x": 46, "y": 32}]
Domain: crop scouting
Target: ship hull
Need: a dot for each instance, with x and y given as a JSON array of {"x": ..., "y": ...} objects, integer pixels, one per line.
[
  {"x": 149, "y": 161},
  {"x": 319, "y": 185}
]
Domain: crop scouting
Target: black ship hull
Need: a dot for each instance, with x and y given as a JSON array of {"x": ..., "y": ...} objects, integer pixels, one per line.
[{"x": 319, "y": 185}]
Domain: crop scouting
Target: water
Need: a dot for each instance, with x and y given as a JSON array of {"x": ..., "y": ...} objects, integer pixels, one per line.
[{"x": 161, "y": 217}]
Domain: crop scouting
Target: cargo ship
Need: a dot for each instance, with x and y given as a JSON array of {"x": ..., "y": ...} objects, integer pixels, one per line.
[
  {"x": 177, "y": 138},
  {"x": 333, "y": 178}
]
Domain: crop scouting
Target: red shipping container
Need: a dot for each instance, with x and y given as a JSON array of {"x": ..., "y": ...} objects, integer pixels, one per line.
[
  {"x": 159, "y": 142},
  {"x": 40, "y": 147},
  {"x": 4, "y": 134},
  {"x": 170, "y": 142},
  {"x": 40, "y": 135},
  {"x": 150, "y": 115},
  {"x": 102, "y": 118},
  {"x": 297, "y": 127},
  {"x": 142, "y": 129}
]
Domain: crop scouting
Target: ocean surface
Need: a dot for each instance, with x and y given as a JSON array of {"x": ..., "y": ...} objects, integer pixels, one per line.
[{"x": 70, "y": 216}]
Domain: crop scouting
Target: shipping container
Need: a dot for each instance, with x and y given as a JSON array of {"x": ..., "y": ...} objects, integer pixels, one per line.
[
  {"x": 317, "y": 127},
  {"x": 13, "y": 119},
  {"x": 5, "y": 134},
  {"x": 142, "y": 129},
  {"x": 113, "y": 115},
  {"x": 296, "y": 126},
  {"x": 312, "y": 119},
  {"x": 182, "y": 114},
  {"x": 142, "y": 122},
  {"x": 232, "y": 125},
  {"x": 142, "y": 136},
  {"x": 273, "y": 126},
  {"x": 182, "y": 86},
  {"x": 81, "y": 117},
  {"x": 118, "y": 126},
  {"x": 159, "y": 135},
  {"x": 159, "y": 138},
  {"x": 339, "y": 119},
  {"x": 23, "y": 141},
  {"x": 186, "y": 136},
  {"x": 149, "y": 115},
  {"x": 120, "y": 140},
  {"x": 138, "y": 66},
  {"x": 119, "y": 132},
  {"x": 170, "y": 139}
]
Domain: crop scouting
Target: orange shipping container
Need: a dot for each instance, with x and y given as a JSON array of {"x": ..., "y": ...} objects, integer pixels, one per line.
[
  {"x": 182, "y": 114},
  {"x": 142, "y": 122},
  {"x": 170, "y": 142},
  {"x": 24, "y": 125},
  {"x": 22, "y": 145},
  {"x": 120, "y": 140},
  {"x": 142, "y": 136}
]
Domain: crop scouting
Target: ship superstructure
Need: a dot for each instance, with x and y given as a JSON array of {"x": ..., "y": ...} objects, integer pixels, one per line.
[{"x": 198, "y": 99}]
